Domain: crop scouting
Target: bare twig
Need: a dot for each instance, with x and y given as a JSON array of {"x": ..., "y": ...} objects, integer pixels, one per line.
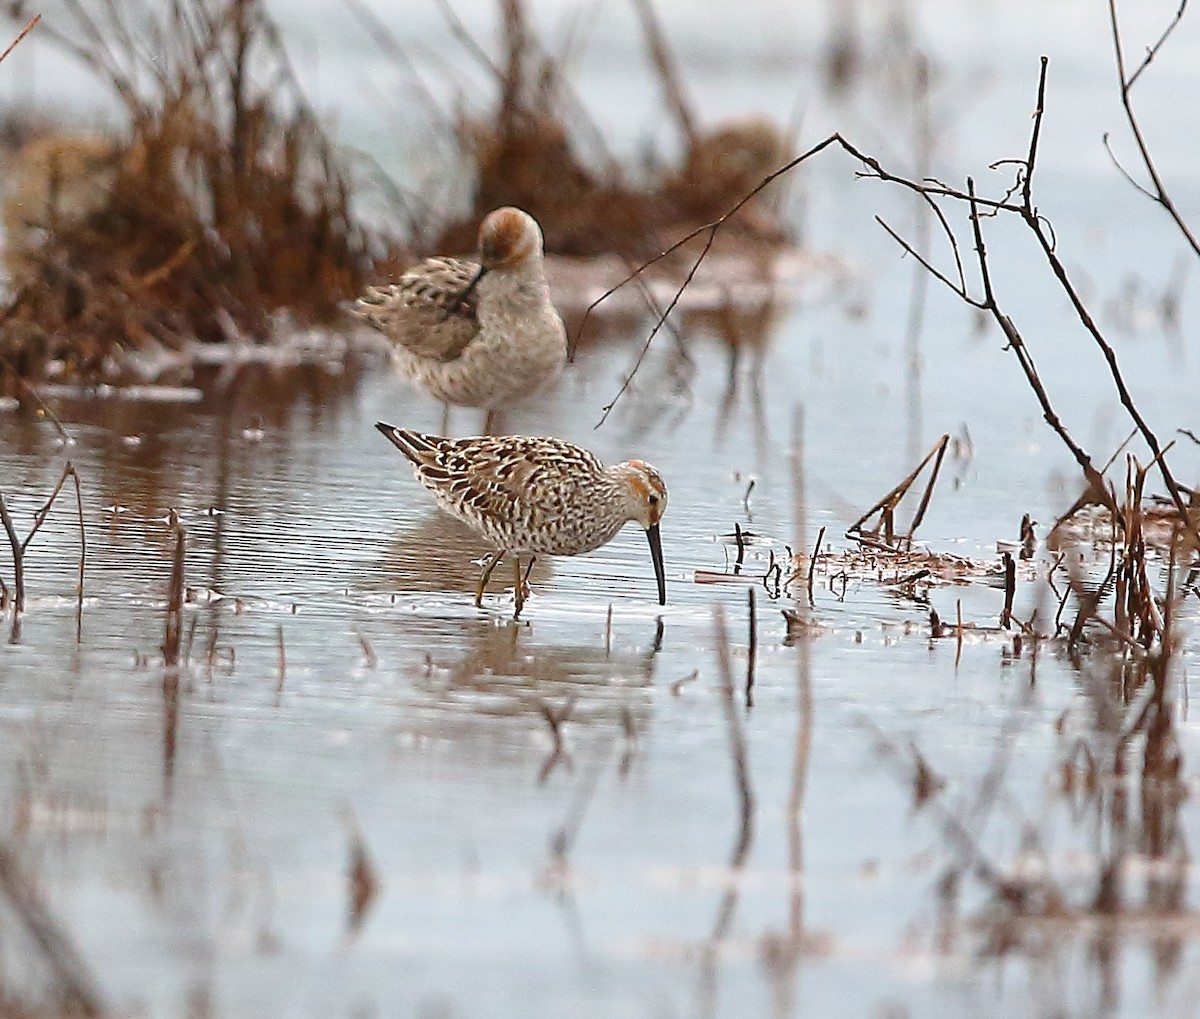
[
  {"x": 24, "y": 32},
  {"x": 1157, "y": 190}
]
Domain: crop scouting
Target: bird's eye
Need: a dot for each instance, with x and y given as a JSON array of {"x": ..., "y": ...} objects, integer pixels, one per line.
[{"x": 654, "y": 500}]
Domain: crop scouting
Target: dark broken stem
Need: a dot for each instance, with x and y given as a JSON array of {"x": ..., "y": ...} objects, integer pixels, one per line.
[
  {"x": 174, "y": 628},
  {"x": 751, "y": 646},
  {"x": 1010, "y": 590},
  {"x": 812, "y": 564}
]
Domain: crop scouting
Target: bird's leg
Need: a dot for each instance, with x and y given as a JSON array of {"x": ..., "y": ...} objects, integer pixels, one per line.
[
  {"x": 488, "y": 567},
  {"x": 445, "y": 418},
  {"x": 518, "y": 589},
  {"x": 491, "y": 422}
]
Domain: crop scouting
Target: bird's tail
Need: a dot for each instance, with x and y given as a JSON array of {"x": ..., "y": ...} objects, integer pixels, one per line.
[{"x": 413, "y": 445}]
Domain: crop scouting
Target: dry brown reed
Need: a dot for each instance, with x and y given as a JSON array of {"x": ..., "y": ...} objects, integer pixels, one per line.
[
  {"x": 173, "y": 633},
  {"x": 885, "y": 532},
  {"x": 538, "y": 150},
  {"x": 221, "y": 208}
]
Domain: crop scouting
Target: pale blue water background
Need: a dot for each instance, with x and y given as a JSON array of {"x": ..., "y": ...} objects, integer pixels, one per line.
[{"x": 201, "y": 855}]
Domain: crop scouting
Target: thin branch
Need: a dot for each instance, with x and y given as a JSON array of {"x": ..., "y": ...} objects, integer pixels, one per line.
[
  {"x": 24, "y": 32},
  {"x": 1160, "y": 194}
]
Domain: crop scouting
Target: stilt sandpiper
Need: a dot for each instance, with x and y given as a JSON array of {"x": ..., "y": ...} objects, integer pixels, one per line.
[
  {"x": 536, "y": 496},
  {"x": 476, "y": 334}
]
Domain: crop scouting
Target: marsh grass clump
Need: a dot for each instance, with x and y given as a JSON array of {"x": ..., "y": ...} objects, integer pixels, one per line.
[
  {"x": 220, "y": 208},
  {"x": 537, "y": 149}
]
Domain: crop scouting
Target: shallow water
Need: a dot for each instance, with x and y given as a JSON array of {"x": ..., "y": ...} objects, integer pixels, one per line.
[{"x": 193, "y": 837}]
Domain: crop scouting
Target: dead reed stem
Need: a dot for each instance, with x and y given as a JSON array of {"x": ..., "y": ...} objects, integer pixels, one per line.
[
  {"x": 751, "y": 645},
  {"x": 887, "y": 505},
  {"x": 282, "y": 653},
  {"x": 173, "y": 634},
  {"x": 812, "y": 564}
]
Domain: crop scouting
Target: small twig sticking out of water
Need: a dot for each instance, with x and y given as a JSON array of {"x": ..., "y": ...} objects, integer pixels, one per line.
[
  {"x": 812, "y": 564},
  {"x": 18, "y": 557},
  {"x": 741, "y": 547},
  {"x": 19, "y": 546},
  {"x": 1010, "y": 590},
  {"x": 282, "y": 651},
  {"x": 363, "y": 880},
  {"x": 370, "y": 659},
  {"x": 608, "y": 632},
  {"x": 746, "y": 497},
  {"x": 752, "y": 647},
  {"x": 82, "y": 555},
  {"x": 958, "y": 635},
  {"x": 174, "y": 628}
]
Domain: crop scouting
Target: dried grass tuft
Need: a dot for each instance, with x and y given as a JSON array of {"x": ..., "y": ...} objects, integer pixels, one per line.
[{"x": 220, "y": 209}]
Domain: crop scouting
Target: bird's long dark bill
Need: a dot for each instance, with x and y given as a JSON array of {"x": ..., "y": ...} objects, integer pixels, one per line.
[
  {"x": 467, "y": 291},
  {"x": 660, "y": 573}
]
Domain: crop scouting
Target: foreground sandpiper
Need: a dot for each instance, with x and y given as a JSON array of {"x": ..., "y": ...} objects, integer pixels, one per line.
[
  {"x": 536, "y": 496},
  {"x": 476, "y": 334}
]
